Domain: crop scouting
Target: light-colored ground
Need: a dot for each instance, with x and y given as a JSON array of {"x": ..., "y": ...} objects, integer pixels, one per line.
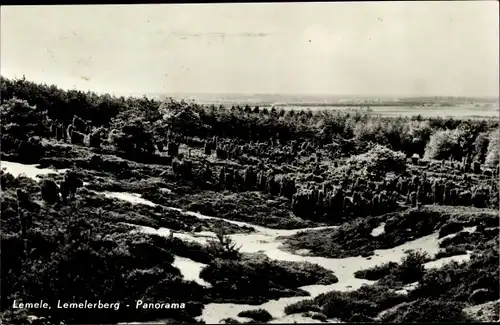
[
  {"x": 190, "y": 270},
  {"x": 30, "y": 171},
  {"x": 378, "y": 230}
]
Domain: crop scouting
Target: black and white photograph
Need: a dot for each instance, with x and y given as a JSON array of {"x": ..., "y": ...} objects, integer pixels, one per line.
[{"x": 250, "y": 163}]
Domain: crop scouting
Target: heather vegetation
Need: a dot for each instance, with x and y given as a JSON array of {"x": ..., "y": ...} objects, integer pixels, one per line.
[{"x": 64, "y": 238}]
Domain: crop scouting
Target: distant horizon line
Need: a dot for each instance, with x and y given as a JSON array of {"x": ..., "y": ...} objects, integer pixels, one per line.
[
  {"x": 248, "y": 94},
  {"x": 349, "y": 96}
]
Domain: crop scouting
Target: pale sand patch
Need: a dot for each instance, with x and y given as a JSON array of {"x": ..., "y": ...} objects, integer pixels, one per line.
[
  {"x": 30, "y": 171},
  {"x": 266, "y": 240},
  {"x": 133, "y": 198},
  {"x": 190, "y": 270},
  {"x": 380, "y": 230}
]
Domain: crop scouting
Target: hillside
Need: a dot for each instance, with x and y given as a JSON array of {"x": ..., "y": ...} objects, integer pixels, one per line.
[{"x": 242, "y": 212}]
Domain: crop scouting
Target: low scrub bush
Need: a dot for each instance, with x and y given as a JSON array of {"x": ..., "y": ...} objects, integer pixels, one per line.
[
  {"x": 260, "y": 315},
  {"x": 376, "y": 272},
  {"x": 426, "y": 311}
]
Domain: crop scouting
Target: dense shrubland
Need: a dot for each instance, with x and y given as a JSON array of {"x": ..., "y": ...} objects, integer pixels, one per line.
[
  {"x": 449, "y": 288},
  {"x": 263, "y": 143},
  {"x": 232, "y": 277},
  {"x": 278, "y": 168},
  {"x": 74, "y": 248},
  {"x": 440, "y": 295},
  {"x": 355, "y": 238},
  {"x": 68, "y": 256}
]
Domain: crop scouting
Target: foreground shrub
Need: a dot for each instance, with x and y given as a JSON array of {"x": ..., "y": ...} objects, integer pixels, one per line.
[
  {"x": 302, "y": 306},
  {"x": 260, "y": 315},
  {"x": 426, "y": 310},
  {"x": 364, "y": 303},
  {"x": 450, "y": 228},
  {"x": 377, "y": 272},
  {"x": 223, "y": 246},
  {"x": 451, "y": 251},
  {"x": 458, "y": 281},
  {"x": 246, "y": 276},
  {"x": 412, "y": 267},
  {"x": 480, "y": 296},
  {"x": 83, "y": 258},
  {"x": 338, "y": 305}
]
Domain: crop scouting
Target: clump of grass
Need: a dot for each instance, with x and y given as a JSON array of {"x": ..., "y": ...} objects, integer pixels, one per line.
[{"x": 410, "y": 269}]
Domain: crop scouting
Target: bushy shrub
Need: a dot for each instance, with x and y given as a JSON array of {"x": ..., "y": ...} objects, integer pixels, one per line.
[
  {"x": 31, "y": 150},
  {"x": 260, "y": 315},
  {"x": 50, "y": 191},
  {"x": 133, "y": 139},
  {"x": 364, "y": 303},
  {"x": 223, "y": 246},
  {"x": 456, "y": 282},
  {"x": 18, "y": 111},
  {"x": 444, "y": 144},
  {"x": 95, "y": 138},
  {"x": 410, "y": 269},
  {"x": 426, "y": 311},
  {"x": 412, "y": 266},
  {"x": 481, "y": 146},
  {"x": 416, "y": 135},
  {"x": 451, "y": 251},
  {"x": 342, "y": 306},
  {"x": 493, "y": 152},
  {"x": 377, "y": 272},
  {"x": 482, "y": 295},
  {"x": 380, "y": 160},
  {"x": 302, "y": 306},
  {"x": 450, "y": 228}
]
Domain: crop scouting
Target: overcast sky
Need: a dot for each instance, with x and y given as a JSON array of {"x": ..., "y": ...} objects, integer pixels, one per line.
[{"x": 376, "y": 48}]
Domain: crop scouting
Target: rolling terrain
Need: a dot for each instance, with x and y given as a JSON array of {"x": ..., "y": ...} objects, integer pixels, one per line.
[{"x": 244, "y": 213}]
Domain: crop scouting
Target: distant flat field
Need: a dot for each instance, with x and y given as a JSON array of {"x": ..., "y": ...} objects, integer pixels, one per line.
[
  {"x": 459, "y": 111},
  {"x": 456, "y": 111},
  {"x": 426, "y": 107}
]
